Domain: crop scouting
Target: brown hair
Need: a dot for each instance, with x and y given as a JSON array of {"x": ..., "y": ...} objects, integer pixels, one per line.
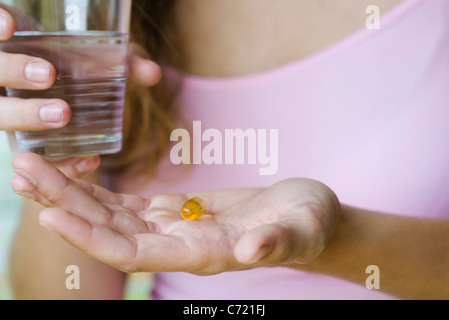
[{"x": 150, "y": 113}]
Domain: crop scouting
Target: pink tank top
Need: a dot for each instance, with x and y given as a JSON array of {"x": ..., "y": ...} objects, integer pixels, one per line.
[{"x": 368, "y": 116}]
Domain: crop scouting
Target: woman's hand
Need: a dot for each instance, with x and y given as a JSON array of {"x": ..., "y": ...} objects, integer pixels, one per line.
[
  {"x": 289, "y": 223},
  {"x": 18, "y": 71}
]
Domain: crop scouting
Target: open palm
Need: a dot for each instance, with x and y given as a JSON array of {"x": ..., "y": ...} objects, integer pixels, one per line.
[{"x": 287, "y": 223}]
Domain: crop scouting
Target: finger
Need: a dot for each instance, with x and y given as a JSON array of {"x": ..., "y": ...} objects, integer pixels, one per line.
[
  {"x": 144, "y": 252},
  {"x": 131, "y": 202},
  {"x": 33, "y": 114},
  {"x": 125, "y": 223},
  {"x": 7, "y": 25},
  {"x": 144, "y": 72},
  {"x": 268, "y": 244},
  {"x": 54, "y": 187},
  {"x": 97, "y": 241},
  {"x": 24, "y": 72},
  {"x": 27, "y": 190},
  {"x": 77, "y": 167},
  {"x": 59, "y": 190},
  {"x": 23, "y": 188}
]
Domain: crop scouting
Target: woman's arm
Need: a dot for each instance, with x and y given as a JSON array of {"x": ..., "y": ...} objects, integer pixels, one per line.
[
  {"x": 412, "y": 253},
  {"x": 39, "y": 259}
]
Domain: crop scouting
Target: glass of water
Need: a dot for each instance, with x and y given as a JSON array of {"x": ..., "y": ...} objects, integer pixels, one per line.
[{"x": 87, "y": 42}]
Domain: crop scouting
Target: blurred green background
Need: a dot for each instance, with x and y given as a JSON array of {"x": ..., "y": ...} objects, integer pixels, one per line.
[
  {"x": 139, "y": 285},
  {"x": 9, "y": 214}
]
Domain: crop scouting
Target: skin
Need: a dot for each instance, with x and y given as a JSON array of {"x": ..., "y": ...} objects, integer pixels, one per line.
[
  {"x": 134, "y": 234},
  {"x": 296, "y": 223}
]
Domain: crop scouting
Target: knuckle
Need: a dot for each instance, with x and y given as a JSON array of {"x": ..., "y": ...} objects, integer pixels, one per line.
[
  {"x": 18, "y": 68},
  {"x": 110, "y": 218},
  {"x": 62, "y": 190},
  {"x": 25, "y": 161},
  {"x": 126, "y": 261}
]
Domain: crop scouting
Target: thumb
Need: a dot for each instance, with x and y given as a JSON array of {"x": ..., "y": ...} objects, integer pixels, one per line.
[
  {"x": 77, "y": 167},
  {"x": 269, "y": 244}
]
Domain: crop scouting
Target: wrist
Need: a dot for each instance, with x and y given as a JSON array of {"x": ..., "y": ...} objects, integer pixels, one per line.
[{"x": 332, "y": 246}]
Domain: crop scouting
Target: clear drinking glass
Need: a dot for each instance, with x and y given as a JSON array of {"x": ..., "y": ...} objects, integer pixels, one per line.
[{"x": 87, "y": 42}]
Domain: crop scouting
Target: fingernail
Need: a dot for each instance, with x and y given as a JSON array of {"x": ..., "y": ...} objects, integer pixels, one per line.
[
  {"x": 28, "y": 177},
  {"x": 37, "y": 72},
  {"x": 26, "y": 195},
  {"x": 52, "y": 113},
  {"x": 46, "y": 226},
  {"x": 263, "y": 252},
  {"x": 86, "y": 165},
  {"x": 22, "y": 187},
  {"x": 3, "y": 23}
]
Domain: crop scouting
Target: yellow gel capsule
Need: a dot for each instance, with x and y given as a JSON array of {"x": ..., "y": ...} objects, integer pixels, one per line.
[{"x": 194, "y": 209}]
